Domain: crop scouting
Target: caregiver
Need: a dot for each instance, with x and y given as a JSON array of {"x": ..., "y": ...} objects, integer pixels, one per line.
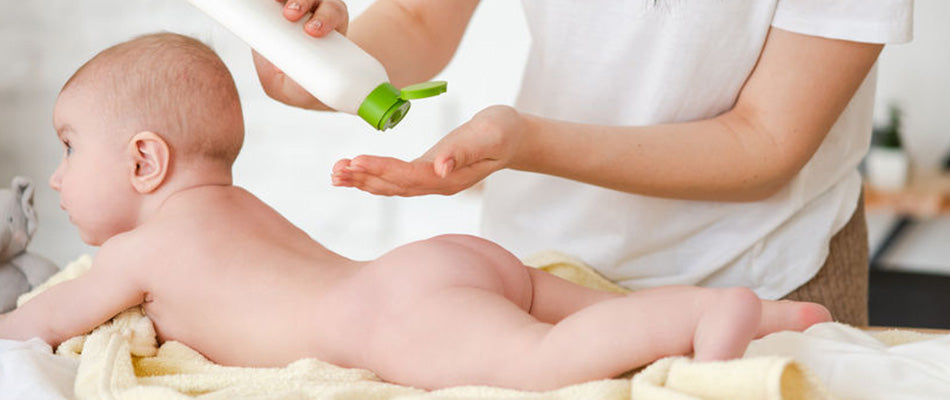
[{"x": 663, "y": 142}]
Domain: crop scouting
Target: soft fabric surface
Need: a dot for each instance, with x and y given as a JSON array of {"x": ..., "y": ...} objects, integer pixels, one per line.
[
  {"x": 854, "y": 364},
  {"x": 120, "y": 360},
  {"x": 29, "y": 370}
]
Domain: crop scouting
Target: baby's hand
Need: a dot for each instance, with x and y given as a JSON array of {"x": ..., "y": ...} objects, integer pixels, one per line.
[{"x": 327, "y": 15}]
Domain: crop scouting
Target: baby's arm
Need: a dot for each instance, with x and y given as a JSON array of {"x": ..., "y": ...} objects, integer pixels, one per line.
[{"x": 77, "y": 306}]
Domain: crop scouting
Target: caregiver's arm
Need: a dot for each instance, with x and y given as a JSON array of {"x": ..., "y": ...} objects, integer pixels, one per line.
[
  {"x": 797, "y": 90},
  {"x": 413, "y": 39},
  {"x": 77, "y": 306}
]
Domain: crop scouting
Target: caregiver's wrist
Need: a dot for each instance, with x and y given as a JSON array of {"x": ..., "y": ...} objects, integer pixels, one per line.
[{"x": 524, "y": 135}]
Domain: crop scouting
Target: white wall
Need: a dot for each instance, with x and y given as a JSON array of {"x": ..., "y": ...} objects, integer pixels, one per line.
[
  {"x": 288, "y": 153},
  {"x": 916, "y": 77}
]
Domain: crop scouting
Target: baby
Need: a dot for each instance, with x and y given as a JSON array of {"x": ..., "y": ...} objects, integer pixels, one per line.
[{"x": 151, "y": 128}]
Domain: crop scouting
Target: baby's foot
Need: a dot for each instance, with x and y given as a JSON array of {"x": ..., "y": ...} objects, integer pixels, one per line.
[
  {"x": 787, "y": 315},
  {"x": 812, "y": 313}
]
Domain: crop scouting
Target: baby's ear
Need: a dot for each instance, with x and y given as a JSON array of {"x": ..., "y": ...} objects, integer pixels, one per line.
[{"x": 150, "y": 156}]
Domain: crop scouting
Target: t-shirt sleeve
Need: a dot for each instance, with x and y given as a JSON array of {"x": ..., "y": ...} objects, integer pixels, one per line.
[{"x": 870, "y": 21}]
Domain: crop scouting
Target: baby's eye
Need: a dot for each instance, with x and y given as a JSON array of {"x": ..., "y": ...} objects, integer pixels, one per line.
[{"x": 69, "y": 149}]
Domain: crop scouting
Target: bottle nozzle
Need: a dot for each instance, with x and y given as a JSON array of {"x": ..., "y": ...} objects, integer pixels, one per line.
[{"x": 386, "y": 106}]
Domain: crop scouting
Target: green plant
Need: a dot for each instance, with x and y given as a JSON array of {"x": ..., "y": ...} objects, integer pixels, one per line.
[{"x": 889, "y": 135}]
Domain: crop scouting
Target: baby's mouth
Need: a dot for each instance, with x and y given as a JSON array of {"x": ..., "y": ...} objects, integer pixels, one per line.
[{"x": 63, "y": 207}]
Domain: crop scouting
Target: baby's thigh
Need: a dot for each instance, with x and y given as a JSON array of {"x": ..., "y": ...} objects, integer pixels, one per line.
[{"x": 460, "y": 335}]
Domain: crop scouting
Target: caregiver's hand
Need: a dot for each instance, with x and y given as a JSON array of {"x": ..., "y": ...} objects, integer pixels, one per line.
[
  {"x": 490, "y": 141},
  {"x": 327, "y": 15}
]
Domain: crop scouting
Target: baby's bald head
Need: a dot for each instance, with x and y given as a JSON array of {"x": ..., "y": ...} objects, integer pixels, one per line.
[{"x": 172, "y": 85}]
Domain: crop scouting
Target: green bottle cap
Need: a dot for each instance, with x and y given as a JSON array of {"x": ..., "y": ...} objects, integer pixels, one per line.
[
  {"x": 386, "y": 106},
  {"x": 423, "y": 90}
]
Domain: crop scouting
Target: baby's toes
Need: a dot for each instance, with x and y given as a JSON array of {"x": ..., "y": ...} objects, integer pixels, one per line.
[{"x": 813, "y": 313}]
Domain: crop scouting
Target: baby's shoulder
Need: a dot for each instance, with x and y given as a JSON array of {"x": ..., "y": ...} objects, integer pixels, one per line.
[
  {"x": 153, "y": 240},
  {"x": 124, "y": 253}
]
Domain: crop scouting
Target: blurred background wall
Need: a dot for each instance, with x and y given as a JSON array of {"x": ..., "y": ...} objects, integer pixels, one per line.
[
  {"x": 916, "y": 78},
  {"x": 288, "y": 153}
]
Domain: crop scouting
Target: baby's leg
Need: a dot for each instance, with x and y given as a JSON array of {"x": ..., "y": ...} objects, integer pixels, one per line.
[
  {"x": 555, "y": 298},
  {"x": 774, "y": 316},
  {"x": 468, "y": 336},
  {"x": 613, "y": 336},
  {"x": 650, "y": 324}
]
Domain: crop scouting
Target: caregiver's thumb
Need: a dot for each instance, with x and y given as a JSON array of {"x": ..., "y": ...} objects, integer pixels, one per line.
[
  {"x": 489, "y": 141},
  {"x": 452, "y": 155},
  {"x": 444, "y": 165}
]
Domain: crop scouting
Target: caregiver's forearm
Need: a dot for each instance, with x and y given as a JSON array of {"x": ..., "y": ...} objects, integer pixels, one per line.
[
  {"x": 715, "y": 159},
  {"x": 413, "y": 39}
]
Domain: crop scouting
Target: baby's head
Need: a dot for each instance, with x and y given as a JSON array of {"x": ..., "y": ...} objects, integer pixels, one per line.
[{"x": 140, "y": 121}]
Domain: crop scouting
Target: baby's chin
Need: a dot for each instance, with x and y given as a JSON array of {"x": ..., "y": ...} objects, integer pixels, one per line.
[
  {"x": 91, "y": 238},
  {"x": 92, "y": 241},
  {"x": 98, "y": 235}
]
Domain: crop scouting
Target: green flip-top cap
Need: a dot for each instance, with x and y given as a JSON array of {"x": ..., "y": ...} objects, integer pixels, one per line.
[{"x": 386, "y": 106}]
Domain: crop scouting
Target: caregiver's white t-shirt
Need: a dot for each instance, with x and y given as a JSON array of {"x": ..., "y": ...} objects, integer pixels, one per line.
[{"x": 643, "y": 62}]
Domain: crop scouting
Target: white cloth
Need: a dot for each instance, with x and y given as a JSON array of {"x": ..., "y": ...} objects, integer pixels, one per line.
[
  {"x": 854, "y": 364},
  {"x": 623, "y": 62},
  {"x": 29, "y": 370}
]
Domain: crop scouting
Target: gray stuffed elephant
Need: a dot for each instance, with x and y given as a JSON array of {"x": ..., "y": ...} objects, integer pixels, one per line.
[{"x": 20, "y": 271}]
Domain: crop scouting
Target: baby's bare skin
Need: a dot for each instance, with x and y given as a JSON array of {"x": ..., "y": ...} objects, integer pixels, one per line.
[
  {"x": 254, "y": 290},
  {"x": 225, "y": 274}
]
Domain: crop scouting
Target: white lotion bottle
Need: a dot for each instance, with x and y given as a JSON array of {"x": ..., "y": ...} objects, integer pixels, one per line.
[{"x": 332, "y": 68}]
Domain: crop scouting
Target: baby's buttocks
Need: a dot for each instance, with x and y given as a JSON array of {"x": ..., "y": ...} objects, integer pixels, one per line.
[{"x": 456, "y": 261}]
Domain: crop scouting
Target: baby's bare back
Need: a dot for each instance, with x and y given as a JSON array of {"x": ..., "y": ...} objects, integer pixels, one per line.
[{"x": 234, "y": 280}]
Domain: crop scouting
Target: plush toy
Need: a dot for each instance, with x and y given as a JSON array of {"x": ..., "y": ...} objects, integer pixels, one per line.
[{"x": 20, "y": 270}]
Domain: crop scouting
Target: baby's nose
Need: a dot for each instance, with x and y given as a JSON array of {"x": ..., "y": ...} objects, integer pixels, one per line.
[{"x": 55, "y": 180}]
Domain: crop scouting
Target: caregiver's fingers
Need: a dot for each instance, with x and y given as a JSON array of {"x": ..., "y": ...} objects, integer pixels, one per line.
[
  {"x": 402, "y": 173},
  {"x": 340, "y": 165},
  {"x": 372, "y": 184},
  {"x": 344, "y": 169},
  {"x": 383, "y": 187},
  {"x": 385, "y": 176},
  {"x": 327, "y": 15},
  {"x": 414, "y": 178},
  {"x": 280, "y": 87},
  {"x": 293, "y": 10}
]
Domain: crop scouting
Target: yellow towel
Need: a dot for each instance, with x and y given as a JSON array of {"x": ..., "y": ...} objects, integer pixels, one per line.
[{"x": 119, "y": 360}]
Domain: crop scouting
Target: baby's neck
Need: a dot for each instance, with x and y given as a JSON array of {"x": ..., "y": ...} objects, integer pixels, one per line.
[{"x": 178, "y": 184}]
